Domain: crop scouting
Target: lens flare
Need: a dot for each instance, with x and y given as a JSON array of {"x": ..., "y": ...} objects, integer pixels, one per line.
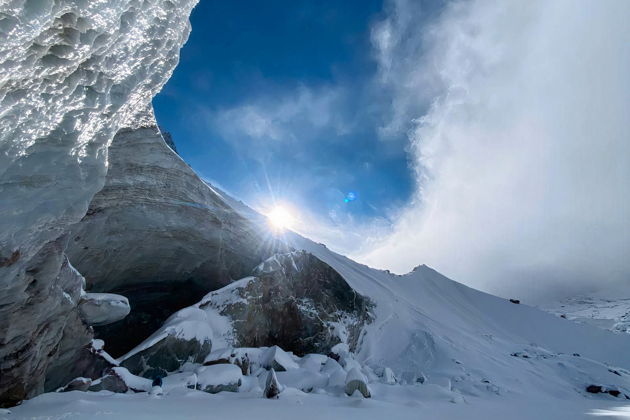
[{"x": 280, "y": 218}]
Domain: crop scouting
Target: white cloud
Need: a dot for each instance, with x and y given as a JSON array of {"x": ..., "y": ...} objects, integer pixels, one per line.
[
  {"x": 296, "y": 115},
  {"x": 523, "y": 160},
  {"x": 399, "y": 43}
]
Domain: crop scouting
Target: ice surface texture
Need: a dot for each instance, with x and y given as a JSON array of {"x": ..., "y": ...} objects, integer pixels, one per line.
[{"x": 72, "y": 73}]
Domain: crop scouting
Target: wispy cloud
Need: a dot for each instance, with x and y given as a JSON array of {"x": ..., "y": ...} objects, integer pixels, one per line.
[
  {"x": 301, "y": 114},
  {"x": 523, "y": 159},
  {"x": 400, "y": 42}
]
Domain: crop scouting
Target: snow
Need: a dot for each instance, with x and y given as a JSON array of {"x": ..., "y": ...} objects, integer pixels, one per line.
[
  {"x": 608, "y": 312},
  {"x": 355, "y": 375},
  {"x": 179, "y": 381},
  {"x": 389, "y": 402},
  {"x": 222, "y": 374}
]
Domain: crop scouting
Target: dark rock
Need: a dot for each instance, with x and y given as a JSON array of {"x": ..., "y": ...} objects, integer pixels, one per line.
[
  {"x": 594, "y": 389},
  {"x": 157, "y": 234},
  {"x": 11, "y": 259},
  {"x": 294, "y": 301},
  {"x": 614, "y": 392},
  {"x": 519, "y": 354},
  {"x": 110, "y": 382},
  {"x": 614, "y": 372},
  {"x": 515, "y": 301},
  {"x": 244, "y": 363},
  {"x": 220, "y": 361},
  {"x": 168, "y": 139},
  {"x": 272, "y": 386}
]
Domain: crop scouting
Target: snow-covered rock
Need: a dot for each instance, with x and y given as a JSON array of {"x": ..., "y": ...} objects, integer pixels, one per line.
[
  {"x": 218, "y": 378},
  {"x": 185, "y": 337},
  {"x": 294, "y": 301},
  {"x": 180, "y": 380},
  {"x": 103, "y": 308},
  {"x": 313, "y": 362},
  {"x": 356, "y": 381},
  {"x": 72, "y": 74},
  {"x": 120, "y": 380},
  {"x": 336, "y": 374},
  {"x": 272, "y": 386},
  {"x": 157, "y": 234}
]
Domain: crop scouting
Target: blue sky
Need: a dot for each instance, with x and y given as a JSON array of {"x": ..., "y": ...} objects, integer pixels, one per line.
[{"x": 278, "y": 101}]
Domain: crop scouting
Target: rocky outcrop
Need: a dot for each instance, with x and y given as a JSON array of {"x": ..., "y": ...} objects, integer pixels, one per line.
[
  {"x": 72, "y": 76},
  {"x": 295, "y": 301},
  {"x": 158, "y": 235}
]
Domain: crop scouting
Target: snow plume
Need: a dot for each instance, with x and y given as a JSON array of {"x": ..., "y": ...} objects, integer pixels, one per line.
[{"x": 523, "y": 158}]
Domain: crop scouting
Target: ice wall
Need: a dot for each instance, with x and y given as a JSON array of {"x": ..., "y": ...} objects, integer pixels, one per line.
[{"x": 72, "y": 73}]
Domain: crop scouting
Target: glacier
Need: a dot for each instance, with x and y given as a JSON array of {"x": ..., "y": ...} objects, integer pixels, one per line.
[{"x": 72, "y": 73}]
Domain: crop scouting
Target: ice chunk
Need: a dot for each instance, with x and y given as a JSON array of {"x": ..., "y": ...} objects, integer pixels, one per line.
[
  {"x": 278, "y": 359},
  {"x": 388, "y": 376},
  {"x": 103, "y": 308}
]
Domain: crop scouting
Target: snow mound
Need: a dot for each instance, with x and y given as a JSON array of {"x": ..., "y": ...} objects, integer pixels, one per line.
[{"x": 218, "y": 378}]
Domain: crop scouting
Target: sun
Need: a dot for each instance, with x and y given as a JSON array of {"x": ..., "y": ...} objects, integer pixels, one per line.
[{"x": 280, "y": 218}]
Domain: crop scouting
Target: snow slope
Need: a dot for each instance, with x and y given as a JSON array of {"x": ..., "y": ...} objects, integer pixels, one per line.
[
  {"x": 611, "y": 313},
  {"x": 430, "y": 323}
]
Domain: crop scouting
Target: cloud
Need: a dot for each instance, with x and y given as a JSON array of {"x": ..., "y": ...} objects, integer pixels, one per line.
[
  {"x": 400, "y": 44},
  {"x": 292, "y": 116},
  {"x": 523, "y": 158}
]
